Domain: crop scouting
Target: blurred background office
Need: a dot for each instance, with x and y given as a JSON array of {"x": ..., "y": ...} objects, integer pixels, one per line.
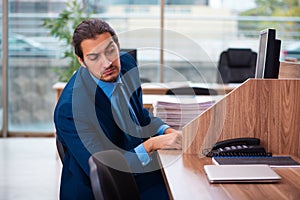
[{"x": 176, "y": 40}]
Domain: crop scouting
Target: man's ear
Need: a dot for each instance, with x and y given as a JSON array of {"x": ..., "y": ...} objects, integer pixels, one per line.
[{"x": 81, "y": 62}]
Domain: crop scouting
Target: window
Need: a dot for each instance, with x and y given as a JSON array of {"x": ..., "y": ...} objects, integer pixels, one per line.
[{"x": 195, "y": 33}]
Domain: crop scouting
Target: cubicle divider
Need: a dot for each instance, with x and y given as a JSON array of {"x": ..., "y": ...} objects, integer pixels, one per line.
[
  {"x": 268, "y": 109},
  {"x": 289, "y": 70}
]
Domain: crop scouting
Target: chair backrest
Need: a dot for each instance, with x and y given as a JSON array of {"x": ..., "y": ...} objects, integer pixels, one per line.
[
  {"x": 132, "y": 52},
  {"x": 108, "y": 180},
  {"x": 191, "y": 91},
  {"x": 236, "y": 65},
  {"x": 61, "y": 150}
]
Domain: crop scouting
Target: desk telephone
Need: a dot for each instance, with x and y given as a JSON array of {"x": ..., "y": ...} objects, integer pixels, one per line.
[{"x": 237, "y": 147}]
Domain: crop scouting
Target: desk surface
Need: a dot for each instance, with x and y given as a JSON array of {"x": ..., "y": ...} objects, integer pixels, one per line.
[
  {"x": 186, "y": 179},
  {"x": 161, "y": 88}
]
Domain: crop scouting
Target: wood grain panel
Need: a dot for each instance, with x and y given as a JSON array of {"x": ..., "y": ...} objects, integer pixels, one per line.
[
  {"x": 289, "y": 70},
  {"x": 186, "y": 179},
  {"x": 265, "y": 108},
  {"x": 290, "y": 126}
]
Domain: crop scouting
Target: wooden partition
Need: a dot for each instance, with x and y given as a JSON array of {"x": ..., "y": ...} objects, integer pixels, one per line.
[
  {"x": 268, "y": 109},
  {"x": 289, "y": 70}
]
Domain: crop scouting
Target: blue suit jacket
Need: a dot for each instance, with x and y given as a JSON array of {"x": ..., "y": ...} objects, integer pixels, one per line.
[{"x": 84, "y": 124}]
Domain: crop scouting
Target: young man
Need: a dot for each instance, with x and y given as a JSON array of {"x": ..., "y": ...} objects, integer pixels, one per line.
[{"x": 101, "y": 108}]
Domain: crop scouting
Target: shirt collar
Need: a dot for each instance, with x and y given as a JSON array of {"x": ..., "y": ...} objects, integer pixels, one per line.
[{"x": 107, "y": 87}]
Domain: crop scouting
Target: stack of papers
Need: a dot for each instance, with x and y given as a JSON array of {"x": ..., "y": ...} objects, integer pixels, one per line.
[{"x": 177, "y": 115}]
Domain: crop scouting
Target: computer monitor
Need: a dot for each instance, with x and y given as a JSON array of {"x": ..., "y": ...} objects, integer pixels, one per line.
[{"x": 267, "y": 64}]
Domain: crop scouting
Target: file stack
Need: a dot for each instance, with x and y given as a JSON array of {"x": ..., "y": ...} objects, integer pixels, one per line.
[{"x": 176, "y": 114}]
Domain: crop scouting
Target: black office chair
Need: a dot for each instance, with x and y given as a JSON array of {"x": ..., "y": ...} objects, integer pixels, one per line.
[
  {"x": 61, "y": 150},
  {"x": 236, "y": 65},
  {"x": 191, "y": 91},
  {"x": 109, "y": 183},
  {"x": 132, "y": 52}
]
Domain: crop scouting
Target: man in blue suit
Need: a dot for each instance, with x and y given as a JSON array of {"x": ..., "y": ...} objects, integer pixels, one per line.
[{"x": 101, "y": 108}]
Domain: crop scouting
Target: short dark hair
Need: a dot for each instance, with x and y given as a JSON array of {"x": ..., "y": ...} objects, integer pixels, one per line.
[{"x": 90, "y": 28}]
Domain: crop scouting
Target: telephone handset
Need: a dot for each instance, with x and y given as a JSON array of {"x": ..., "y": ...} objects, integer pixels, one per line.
[{"x": 238, "y": 147}]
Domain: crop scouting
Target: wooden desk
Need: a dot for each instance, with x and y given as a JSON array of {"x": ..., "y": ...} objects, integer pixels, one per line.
[
  {"x": 185, "y": 178},
  {"x": 161, "y": 88},
  {"x": 267, "y": 109},
  {"x": 289, "y": 70},
  {"x": 58, "y": 87}
]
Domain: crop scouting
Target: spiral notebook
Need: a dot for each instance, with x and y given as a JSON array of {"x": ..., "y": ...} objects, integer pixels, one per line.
[{"x": 241, "y": 174}]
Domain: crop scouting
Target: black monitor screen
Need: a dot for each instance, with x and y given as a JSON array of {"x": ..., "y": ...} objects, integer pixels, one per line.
[{"x": 267, "y": 64}]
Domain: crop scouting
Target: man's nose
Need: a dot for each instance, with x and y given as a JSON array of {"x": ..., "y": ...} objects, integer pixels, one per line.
[{"x": 106, "y": 62}]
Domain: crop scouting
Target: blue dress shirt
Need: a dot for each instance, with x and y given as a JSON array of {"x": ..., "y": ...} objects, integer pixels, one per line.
[{"x": 108, "y": 88}]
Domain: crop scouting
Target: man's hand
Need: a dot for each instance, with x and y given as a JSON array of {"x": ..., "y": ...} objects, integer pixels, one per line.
[
  {"x": 170, "y": 130},
  {"x": 172, "y": 139}
]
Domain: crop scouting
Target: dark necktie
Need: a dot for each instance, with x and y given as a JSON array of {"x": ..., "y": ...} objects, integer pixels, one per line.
[{"x": 123, "y": 112}]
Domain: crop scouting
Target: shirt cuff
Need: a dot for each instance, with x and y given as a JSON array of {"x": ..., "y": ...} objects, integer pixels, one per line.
[
  {"x": 142, "y": 154},
  {"x": 162, "y": 129}
]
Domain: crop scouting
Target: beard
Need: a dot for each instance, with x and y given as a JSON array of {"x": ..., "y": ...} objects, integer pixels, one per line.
[{"x": 110, "y": 74}]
